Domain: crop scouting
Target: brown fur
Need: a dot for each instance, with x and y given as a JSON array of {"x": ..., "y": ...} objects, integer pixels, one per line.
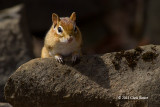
[{"x": 52, "y": 39}]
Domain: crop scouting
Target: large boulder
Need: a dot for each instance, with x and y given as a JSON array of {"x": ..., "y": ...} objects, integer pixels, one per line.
[
  {"x": 15, "y": 44},
  {"x": 121, "y": 79},
  {"x": 5, "y": 105}
]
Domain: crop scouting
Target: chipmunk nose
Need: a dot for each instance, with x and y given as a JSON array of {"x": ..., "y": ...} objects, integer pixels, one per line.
[{"x": 70, "y": 39}]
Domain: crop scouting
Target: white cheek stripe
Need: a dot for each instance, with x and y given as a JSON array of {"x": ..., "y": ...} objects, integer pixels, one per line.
[
  {"x": 63, "y": 39},
  {"x": 50, "y": 53}
]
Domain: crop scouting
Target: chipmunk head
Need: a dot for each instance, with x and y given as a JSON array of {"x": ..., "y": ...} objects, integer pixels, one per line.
[{"x": 65, "y": 27}]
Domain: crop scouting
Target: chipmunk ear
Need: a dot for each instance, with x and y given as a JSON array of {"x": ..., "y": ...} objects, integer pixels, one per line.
[
  {"x": 73, "y": 16},
  {"x": 55, "y": 19}
]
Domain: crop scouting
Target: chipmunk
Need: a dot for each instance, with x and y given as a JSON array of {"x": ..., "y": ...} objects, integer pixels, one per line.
[{"x": 63, "y": 39}]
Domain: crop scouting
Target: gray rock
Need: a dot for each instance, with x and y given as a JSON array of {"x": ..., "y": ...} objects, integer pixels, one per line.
[
  {"x": 15, "y": 44},
  {"x": 114, "y": 80},
  {"x": 5, "y": 105}
]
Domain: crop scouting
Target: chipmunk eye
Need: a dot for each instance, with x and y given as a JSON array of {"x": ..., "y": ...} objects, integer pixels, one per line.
[{"x": 59, "y": 29}]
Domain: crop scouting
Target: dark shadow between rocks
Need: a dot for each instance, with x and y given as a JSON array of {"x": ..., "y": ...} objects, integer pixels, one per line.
[{"x": 94, "y": 68}]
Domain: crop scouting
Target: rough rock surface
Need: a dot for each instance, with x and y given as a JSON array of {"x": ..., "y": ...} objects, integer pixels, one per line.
[
  {"x": 15, "y": 46},
  {"x": 5, "y": 105},
  {"x": 117, "y": 79}
]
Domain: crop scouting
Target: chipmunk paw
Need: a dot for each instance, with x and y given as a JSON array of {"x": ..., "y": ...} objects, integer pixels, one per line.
[{"x": 58, "y": 58}]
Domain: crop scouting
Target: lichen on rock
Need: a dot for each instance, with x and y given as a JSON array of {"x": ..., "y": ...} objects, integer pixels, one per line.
[{"x": 94, "y": 81}]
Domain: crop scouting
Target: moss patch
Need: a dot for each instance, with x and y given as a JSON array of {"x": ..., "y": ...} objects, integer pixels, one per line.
[
  {"x": 149, "y": 56},
  {"x": 154, "y": 48},
  {"x": 131, "y": 58},
  {"x": 116, "y": 65},
  {"x": 118, "y": 56},
  {"x": 139, "y": 50},
  {"x": 117, "y": 60}
]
